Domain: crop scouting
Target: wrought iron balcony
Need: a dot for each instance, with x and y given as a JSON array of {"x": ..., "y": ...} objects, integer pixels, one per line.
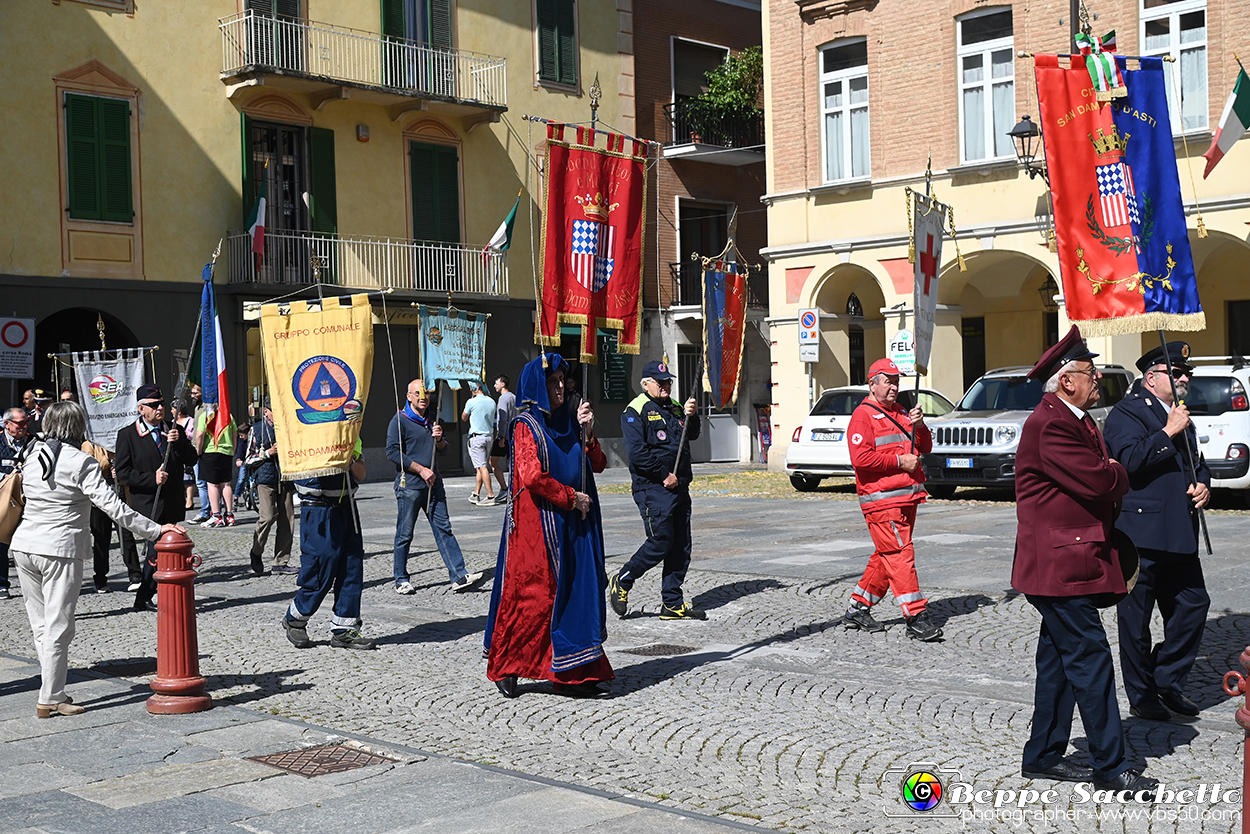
[
  {"x": 695, "y": 130},
  {"x": 686, "y": 287},
  {"x": 255, "y": 45},
  {"x": 367, "y": 263}
]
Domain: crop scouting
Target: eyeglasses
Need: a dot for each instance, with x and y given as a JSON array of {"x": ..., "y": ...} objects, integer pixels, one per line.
[
  {"x": 1092, "y": 373},
  {"x": 153, "y": 403},
  {"x": 1177, "y": 373},
  {"x": 18, "y": 422}
]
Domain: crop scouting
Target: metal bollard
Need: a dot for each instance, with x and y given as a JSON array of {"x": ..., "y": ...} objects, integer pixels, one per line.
[
  {"x": 179, "y": 687},
  {"x": 1235, "y": 684}
]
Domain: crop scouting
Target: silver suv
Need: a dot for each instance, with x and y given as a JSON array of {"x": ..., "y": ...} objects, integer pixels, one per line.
[{"x": 975, "y": 445}]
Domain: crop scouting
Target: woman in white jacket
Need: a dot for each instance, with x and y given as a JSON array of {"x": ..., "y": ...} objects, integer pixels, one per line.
[{"x": 54, "y": 537}]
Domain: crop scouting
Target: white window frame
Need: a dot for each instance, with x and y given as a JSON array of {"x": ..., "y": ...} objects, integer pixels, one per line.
[
  {"x": 845, "y": 76},
  {"x": 986, "y": 49},
  {"x": 1173, "y": 12}
]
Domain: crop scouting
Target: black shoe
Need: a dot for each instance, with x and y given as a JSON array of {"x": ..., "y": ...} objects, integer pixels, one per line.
[
  {"x": 1151, "y": 709},
  {"x": 103, "y": 589},
  {"x": 1064, "y": 771},
  {"x": 921, "y": 628},
  {"x": 586, "y": 689},
  {"x": 1179, "y": 704},
  {"x": 351, "y": 639},
  {"x": 618, "y": 596},
  {"x": 685, "y": 611},
  {"x": 258, "y": 566},
  {"x": 297, "y": 634},
  {"x": 862, "y": 619},
  {"x": 1131, "y": 780},
  {"x": 507, "y": 687},
  {"x": 145, "y": 606}
]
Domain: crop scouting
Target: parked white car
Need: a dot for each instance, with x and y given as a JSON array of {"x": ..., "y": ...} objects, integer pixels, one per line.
[
  {"x": 818, "y": 448},
  {"x": 1219, "y": 406}
]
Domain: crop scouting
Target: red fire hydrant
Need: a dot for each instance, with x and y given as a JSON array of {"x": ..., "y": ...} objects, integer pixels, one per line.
[
  {"x": 1235, "y": 684},
  {"x": 179, "y": 687}
]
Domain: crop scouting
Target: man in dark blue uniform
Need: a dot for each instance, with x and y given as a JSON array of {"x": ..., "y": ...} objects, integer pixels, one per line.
[
  {"x": 659, "y": 467},
  {"x": 1145, "y": 432}
]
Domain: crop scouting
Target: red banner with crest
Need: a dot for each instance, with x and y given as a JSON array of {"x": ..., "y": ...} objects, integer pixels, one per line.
[{"x": 592, "y": 239}]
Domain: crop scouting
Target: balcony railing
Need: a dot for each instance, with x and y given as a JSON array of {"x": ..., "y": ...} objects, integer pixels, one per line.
[
  {"x": 257, "y": 42},
  {"x": 367, "y": 262},
  {"x": 694, "y": 122},
  {"x": 686, "y": 287}
]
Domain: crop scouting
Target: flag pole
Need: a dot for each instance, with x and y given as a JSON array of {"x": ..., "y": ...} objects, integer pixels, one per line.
[
  {"x": 1188, "y": 454},
  {"x": 681, "y": 446}
]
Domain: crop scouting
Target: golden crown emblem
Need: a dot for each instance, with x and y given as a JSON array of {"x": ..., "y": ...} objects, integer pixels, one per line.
[
  {"x": 1111, "y": 145},
  {"x": 596, "y": 208}
]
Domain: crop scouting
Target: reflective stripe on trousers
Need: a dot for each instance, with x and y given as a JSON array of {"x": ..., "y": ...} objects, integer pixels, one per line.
[{"x": 891, "y": 493}]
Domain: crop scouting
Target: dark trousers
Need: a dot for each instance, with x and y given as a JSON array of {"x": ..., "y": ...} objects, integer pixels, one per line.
[
  {"x": 147, "y": 581},
  {"x": 101, "y": 541},
  {"x": 4, "y": 566},
  {"x": 332, "y": 558},
  {"x": 666, "y": 516},
  {"x": 1173, "y": 582},
  {"x": 130, "y": 557},
  {"x": 1074, "y": 669}
]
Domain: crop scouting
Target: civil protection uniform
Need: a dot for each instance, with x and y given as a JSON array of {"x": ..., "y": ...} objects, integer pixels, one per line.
[
  {"x": 652, "y": 432},
  {"x": 332, "y": 552},
  {"x": 1162, "y": 521},
  {"x": 888, "y": 496}
]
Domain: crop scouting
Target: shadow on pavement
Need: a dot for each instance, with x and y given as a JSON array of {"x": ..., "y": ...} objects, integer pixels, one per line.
[
  {"x": 443, "y": 631},
  {"x": 256, "y": 687},
  {"x": 724, "y": 594}
]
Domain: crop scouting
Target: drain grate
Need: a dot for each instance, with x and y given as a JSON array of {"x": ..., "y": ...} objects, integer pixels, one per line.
[
  {"x": 660, "y": 649},
  {"x": 318, "y": 761}
]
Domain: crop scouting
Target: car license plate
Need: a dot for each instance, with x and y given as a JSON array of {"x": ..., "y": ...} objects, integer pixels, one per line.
[
  {"x": 959, "y": 463},
  {"x": 827, "y": 434}
]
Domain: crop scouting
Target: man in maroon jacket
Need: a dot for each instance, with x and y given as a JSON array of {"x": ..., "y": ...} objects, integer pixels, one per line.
[{"x": 1066, "y": 488}]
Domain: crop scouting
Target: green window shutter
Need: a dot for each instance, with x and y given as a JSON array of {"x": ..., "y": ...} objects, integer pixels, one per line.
[
  {"x": 81, "y": 154},
  {"x": 321, "y": 183},
  {"x": 548, "y": 41},
  {"x": 435, "y": 192},
  {"x": 438, "y": 13},
  {"x": 115, "y": 179},
  {"x": 260, "y": 6},
  {"x": 249, "y": 181},
  {"x": 393, "y": 18},
  {"x": 566, "y": 20},
  {"x": 288, "y": 8}
]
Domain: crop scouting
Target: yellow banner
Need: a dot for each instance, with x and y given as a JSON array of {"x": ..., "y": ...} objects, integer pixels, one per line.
[{"x": 319, "y": 364}]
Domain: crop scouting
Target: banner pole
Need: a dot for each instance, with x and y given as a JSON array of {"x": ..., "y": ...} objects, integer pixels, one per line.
[
  {"x": 1189, "y": 458},
  {"x": 681, "y": 446}
]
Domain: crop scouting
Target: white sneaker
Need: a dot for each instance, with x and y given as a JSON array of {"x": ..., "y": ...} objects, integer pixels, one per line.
[
  {"x": 474, "y": 499},
  {"x": 405, "y": 588},
  {"x": 468, "y": 582}
]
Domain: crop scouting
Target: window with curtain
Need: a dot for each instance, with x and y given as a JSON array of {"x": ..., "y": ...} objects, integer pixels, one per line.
[
  {"x": 987, "y": 86},
  {"x": 844, "y": 110},
  {"x": 1178, "y": 28}
]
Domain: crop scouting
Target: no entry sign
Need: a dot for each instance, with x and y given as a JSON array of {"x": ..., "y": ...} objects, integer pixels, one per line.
[{"x": 17, "y": 348}]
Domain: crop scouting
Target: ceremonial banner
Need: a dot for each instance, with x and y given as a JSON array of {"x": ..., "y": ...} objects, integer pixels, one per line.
[
  {"x": 724, "y": 328},
  {"x": 928, "y": 224},
  {"x": 319, "y": 363},
  {"x": 592, "y": 239},
  {"x": 453, "y": 345},
  {"x": 1123, "y": 242},
  {"x": 107, "y": 388}
]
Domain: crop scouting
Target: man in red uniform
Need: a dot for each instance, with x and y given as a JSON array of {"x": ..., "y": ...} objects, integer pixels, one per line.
[{"x": 884, "y": 441}]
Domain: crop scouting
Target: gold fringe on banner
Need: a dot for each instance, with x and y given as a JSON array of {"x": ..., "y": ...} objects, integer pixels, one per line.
[{"x": 1145, "y": 322}]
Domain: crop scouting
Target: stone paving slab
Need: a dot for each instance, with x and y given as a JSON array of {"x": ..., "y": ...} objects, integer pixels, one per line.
[{"x": 172, "y": 781}]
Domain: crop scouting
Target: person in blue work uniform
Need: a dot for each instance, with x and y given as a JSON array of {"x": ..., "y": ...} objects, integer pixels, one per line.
[
  {"x": 411, "y": 441},
  {"x": 1146, "y": 432},
  {"x": 333, "y": 557},
  {"x": 659, "y": 468}
]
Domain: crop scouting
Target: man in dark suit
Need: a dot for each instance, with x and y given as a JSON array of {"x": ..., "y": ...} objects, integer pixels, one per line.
[
  {"x": 1146, "y": 432},
  {"x": 153, "y": 487},
  {"x": 1065, "y": 560}
]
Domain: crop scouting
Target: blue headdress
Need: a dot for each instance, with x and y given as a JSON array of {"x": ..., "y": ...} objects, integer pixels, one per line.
[{"x": 532, "y": 391}]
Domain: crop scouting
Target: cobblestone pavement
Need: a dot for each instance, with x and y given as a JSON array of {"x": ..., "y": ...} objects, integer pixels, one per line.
[{"x": 768, "y": 713}]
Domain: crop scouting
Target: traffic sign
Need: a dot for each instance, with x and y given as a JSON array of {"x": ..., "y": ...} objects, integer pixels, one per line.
[
  {"x": 17, "y": 348},
  {"x": 809, "y": 327}
]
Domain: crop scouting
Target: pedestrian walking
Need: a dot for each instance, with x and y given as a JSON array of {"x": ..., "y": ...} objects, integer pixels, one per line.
[
  {"x": 411, "y": 442},
  {"x": 151, "y": 489},
  {"x": 197, "y": 406},
  {"x": 12, "y": 442},
  {"x": 1146, "y": 432},
  {"x": 479, "y": 413},
  {"x": 660, "y": 475},
  {"x": 547, "y": 617},
  {"x": 1066, "y": 562},
  {"x": 886, "y": 442},
  {"x": 275, "y": 498},
  {"x": 216, "y": 467},
  {"x": 61, "y": 484},
  {"x": 332, "y": 556},
  {"x": 505, "y": 412}
]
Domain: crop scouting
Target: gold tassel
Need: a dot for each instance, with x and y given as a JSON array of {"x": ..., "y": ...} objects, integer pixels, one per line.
[
  {"x": 911, "y": 233},
  {"x": 950, "y": 215},
  {"x": 1202, "y": 227},
  {"x": 1051, "y": 242}
]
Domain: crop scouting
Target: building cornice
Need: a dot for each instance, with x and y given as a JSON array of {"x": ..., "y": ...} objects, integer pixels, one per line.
[{"x": 811, "y": 10}]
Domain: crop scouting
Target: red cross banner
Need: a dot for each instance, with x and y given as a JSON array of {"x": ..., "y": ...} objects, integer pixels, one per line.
[
  {"x": 928, "y": 222},
  {"x": 592, "y": 239}
]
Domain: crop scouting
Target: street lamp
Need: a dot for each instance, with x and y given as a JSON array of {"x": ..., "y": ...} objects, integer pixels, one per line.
[
  {"x": 1048, "y": 291},
  {"x": 1027, "y": 138}
]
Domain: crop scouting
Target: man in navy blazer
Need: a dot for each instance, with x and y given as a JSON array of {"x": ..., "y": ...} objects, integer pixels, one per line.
[
  {"x": 1066, "y": 562},
  {"x": 1146, "y": 432}
]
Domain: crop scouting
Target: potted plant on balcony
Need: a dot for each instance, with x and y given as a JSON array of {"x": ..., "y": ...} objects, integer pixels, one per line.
[{"x": 730, "y": 109}]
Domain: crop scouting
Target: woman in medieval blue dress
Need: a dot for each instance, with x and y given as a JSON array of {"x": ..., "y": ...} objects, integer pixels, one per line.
[{"x": 547, "y": 610}]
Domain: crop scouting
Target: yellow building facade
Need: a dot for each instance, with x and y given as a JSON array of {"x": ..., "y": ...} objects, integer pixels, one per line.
[{"x": 884, "y": 87}]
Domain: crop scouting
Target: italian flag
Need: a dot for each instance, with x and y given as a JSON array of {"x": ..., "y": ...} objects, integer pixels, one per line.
[
  {"x": 503, "y": 235},
  {"x": 256, "y": 223},
  {"x": 1233, "y": 123}
]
